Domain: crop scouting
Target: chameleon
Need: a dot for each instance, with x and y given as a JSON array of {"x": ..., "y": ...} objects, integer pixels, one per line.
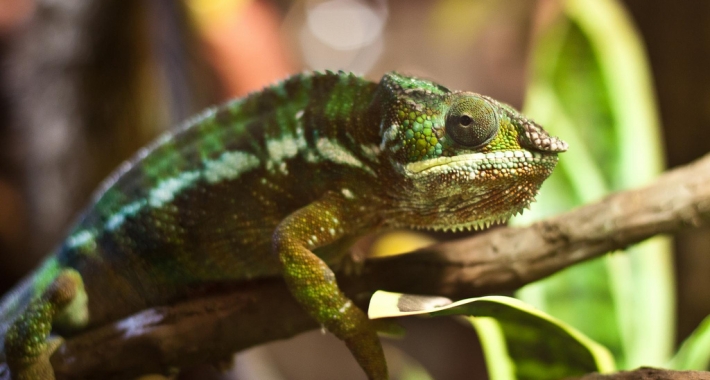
[{"x": 280, "y": 183}]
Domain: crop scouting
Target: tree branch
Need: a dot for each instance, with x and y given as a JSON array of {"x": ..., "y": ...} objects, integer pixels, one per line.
[
  {"x": 209, "y": 328},
  {"x": 645, "y": 373}
]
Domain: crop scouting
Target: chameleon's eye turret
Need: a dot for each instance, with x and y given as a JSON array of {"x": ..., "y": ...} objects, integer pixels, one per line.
[{"x": 472, "y": 122}]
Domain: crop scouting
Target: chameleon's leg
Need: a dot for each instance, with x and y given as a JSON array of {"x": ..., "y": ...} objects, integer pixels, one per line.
[
  {"x": 313, "y": 283},
  {"x": 27, "y": 344}
]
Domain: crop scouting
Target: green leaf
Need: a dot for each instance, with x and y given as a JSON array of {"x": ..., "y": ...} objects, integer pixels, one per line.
[
  {"x": 694, "y": 353},
  {"x": 499, "y": 364},
  {"x": 518, "y": 340}
]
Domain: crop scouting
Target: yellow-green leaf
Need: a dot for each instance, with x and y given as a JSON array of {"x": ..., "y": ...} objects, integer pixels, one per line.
[{"x": 522, "y": 341}]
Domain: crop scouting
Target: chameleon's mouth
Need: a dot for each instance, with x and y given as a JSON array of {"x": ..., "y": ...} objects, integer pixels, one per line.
[{"x": 476, "y": 161}]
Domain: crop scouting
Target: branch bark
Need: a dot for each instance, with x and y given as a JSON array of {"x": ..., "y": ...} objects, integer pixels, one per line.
[
  {"x": 645, "y": 373},
  {"x": 210, "y": 328}
]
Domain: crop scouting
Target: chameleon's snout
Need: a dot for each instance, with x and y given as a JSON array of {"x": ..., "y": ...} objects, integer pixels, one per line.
[{"x": 536, "y": 138}]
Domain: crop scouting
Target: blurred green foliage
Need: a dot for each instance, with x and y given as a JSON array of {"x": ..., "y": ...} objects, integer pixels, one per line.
[{"x": 590, "y": 84}]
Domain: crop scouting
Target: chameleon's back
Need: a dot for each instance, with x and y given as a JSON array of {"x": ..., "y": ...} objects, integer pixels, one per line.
[{"x": 201, "y": 204}]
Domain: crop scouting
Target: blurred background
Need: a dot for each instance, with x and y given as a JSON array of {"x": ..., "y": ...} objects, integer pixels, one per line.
[{"x": 85, "y": 83}]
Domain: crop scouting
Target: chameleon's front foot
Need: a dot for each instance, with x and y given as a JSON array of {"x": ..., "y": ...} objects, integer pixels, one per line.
[
  {"x": 27, "y": 344},
  {"x": 316, "y": 290},
  {"x": 313, "y": 284}
]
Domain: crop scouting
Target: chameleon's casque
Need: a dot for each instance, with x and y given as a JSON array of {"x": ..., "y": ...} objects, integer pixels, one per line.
[{"x": 252, "y": 188}]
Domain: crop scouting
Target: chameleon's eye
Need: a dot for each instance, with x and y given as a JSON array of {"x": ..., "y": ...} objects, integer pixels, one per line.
[{"x": 471, "y": 121}]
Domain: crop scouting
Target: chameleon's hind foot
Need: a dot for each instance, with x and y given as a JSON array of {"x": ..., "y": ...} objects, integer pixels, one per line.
[
  {"x": 37, "y": 367},
  {"x": 27, "y": 345}
]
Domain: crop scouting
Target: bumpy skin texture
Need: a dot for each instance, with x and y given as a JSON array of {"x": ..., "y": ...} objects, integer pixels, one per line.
[{"x": 252, "y": 188}]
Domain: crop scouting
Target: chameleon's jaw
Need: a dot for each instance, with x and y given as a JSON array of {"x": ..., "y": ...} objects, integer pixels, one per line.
[{"x": 473, "y": 191}]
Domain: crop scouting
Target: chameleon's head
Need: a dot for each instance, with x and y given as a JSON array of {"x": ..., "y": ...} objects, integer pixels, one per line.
[{"x": 463, "y": 160}]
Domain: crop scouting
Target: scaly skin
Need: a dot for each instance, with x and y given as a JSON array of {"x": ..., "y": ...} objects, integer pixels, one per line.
[{"x": 252, "y": 188}]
